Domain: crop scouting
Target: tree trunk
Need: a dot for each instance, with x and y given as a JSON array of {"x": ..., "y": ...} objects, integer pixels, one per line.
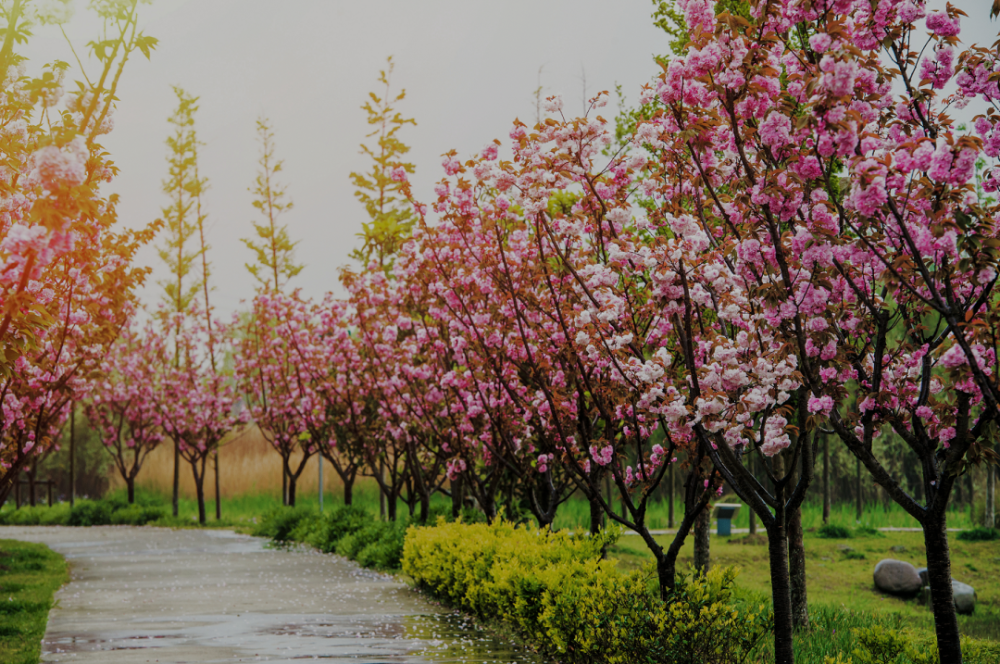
[
  {"x": 218, "y": 498},
  {"x": 456, "y": 497},
  {"x": 284, "y": 481},
  {"x": 130, "y": 483},
  {"x": 348, "y": 491},
  {"x": 291, "y": 489},
  {"x": 826, "y": 480},
  {"x": 670, "y": 495},
  {"x": 199, "y": 485},
  {"x": 175, "y": 500},
  {"x": 390, "y": 506},
  {"x": 939, "y": 579},
  {"x": 797, "y": 570},
  {"x": 596, "y": 512},
  {"x": 777, "y": 546},
  {"x": 425, "y": 508},
  {"x": 860, "y": 505},
  {"x": 72, "y": 456},
  {"x": 702, "y": 530},
  {"x": 991, "y": 484},
  {"x": 381, "y": 494},
  {"x": 31, "y": 487}
]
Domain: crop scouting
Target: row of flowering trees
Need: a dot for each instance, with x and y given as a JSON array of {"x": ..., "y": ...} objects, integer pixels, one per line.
[{"x": 798, "y": 238}]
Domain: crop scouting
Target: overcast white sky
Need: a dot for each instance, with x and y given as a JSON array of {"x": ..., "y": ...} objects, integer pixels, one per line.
[{"x": 469, "y": 68}]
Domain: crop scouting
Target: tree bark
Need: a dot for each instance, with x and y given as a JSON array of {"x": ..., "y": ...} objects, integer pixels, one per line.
[
  {"x": 991, "y": 484},
  {"x": 670, "y": 496},
  {"x": 175, "y": 500},
  {"x": 826, "y": 480},
  {"x": 596, "y": 513},
  {"x": 218, "y": 498},
  {"x": 781, "y": 600},
  {"x": 457, "y": 497},
  {"x": 860, "y": 505},
  {"x": 939, "y": 579},
  {"x": 130, "y": 483},
  {"x": 702, "y": 530},
  {"x": 291, "y": 490},
  {"x": 72, "y": 456},
  {"x": 348, "y": 491},
  {"x": 797, "y": 570},
  {"x": 284, "y": 481}
]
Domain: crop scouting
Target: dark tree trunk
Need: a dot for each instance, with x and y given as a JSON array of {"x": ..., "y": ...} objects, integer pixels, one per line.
[
  {"x": 702, "y": 530},
  {"x": 670, "y": 495},
  {"x": 939, "y": 579},
  {"x": 390, "y": 504},
  {"x": 72, "y": 457},
  {"x": 596, "y": 514},
  {"x": 991, "y": 484},
  {"x": 291, "y": 490},
  {"x": 425, "y": 508},
  {"x": 826, "y": 480},
  {"x": 284, "y": 481},
  {"x": 777, "y": 544},
  {"x": 175, "y": 500},
  {"x": 457, "y": 497},
  {"x": 199, "y": 487},
  {"x": 860, "y": 505},
  {"x": 218, "y": 497},
  {"x": 349, "y": 491},
  {"x": 797, "y": 570},
  {"x": 130, "y": 483},
  {"x": 31, "y": 487}
]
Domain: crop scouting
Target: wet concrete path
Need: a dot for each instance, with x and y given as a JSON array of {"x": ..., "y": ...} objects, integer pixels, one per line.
[{"x": 160, "y": 595}]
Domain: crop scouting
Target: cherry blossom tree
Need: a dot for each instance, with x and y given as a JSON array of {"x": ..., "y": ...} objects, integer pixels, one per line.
[
  {"x": 199, "y": 403},
  {"x": 123, "y": 406},
  {"x": 276, "y": 386},
  {"x": 830, "y": 262},
  {"x": 65, "y": 280}
]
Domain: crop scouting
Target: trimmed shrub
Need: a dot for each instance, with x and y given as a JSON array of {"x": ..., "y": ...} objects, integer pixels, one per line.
[
  {"x": 833, "y": 531},
  {"x": 90, "y": 513},
  {"x": 556, "y": 590},
  {"x": 979, "y": 535},
  {"x": 278, "y": 524}
]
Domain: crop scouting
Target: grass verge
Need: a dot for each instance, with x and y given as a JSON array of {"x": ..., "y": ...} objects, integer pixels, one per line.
[{"x": 30, "y": 574}]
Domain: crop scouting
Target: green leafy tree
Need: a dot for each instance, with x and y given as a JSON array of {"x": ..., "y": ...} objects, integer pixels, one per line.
[
  {"x": 182, "y": 221},
  {"x": 275, "y": 251},
  {"x": 179, "y": 249},
  {"x": 391, "y": 214}
]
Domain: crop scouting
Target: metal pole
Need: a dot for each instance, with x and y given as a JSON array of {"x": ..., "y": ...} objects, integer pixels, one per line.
[{"x": 320, "y": 456}]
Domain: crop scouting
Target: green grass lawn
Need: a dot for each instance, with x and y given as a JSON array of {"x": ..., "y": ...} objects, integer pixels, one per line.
[
  {"x": 839, "y": 579},
  {"x": 29, "y": 576}
]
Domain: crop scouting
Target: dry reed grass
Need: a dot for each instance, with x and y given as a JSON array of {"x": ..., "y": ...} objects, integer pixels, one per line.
[{"x": 247, "y": 465}]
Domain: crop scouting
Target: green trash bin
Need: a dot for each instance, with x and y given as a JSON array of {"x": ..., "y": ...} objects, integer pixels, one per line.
[{"x": 724, "y": 513}]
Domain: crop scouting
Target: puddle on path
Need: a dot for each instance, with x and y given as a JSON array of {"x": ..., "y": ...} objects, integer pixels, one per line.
[{"x": 448, "y": 638}]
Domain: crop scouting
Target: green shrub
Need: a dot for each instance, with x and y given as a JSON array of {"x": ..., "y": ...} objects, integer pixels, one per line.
[
  {"x": 979, "y": 535},
  {"x": 137, "y": 515},
  {"x": 90, "y": 513},
  {"x": 386, "y": 552},
  {"x": 881, "y": 645},
  {"x": 278, "y": 524},
  {"x": 833, "y": 531},
  {"x": 556, "y": 590},
  {"x": 868, "y": 531}
]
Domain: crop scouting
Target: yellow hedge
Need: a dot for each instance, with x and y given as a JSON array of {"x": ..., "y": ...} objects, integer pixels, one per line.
[{"x": 558, "y": 593}]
